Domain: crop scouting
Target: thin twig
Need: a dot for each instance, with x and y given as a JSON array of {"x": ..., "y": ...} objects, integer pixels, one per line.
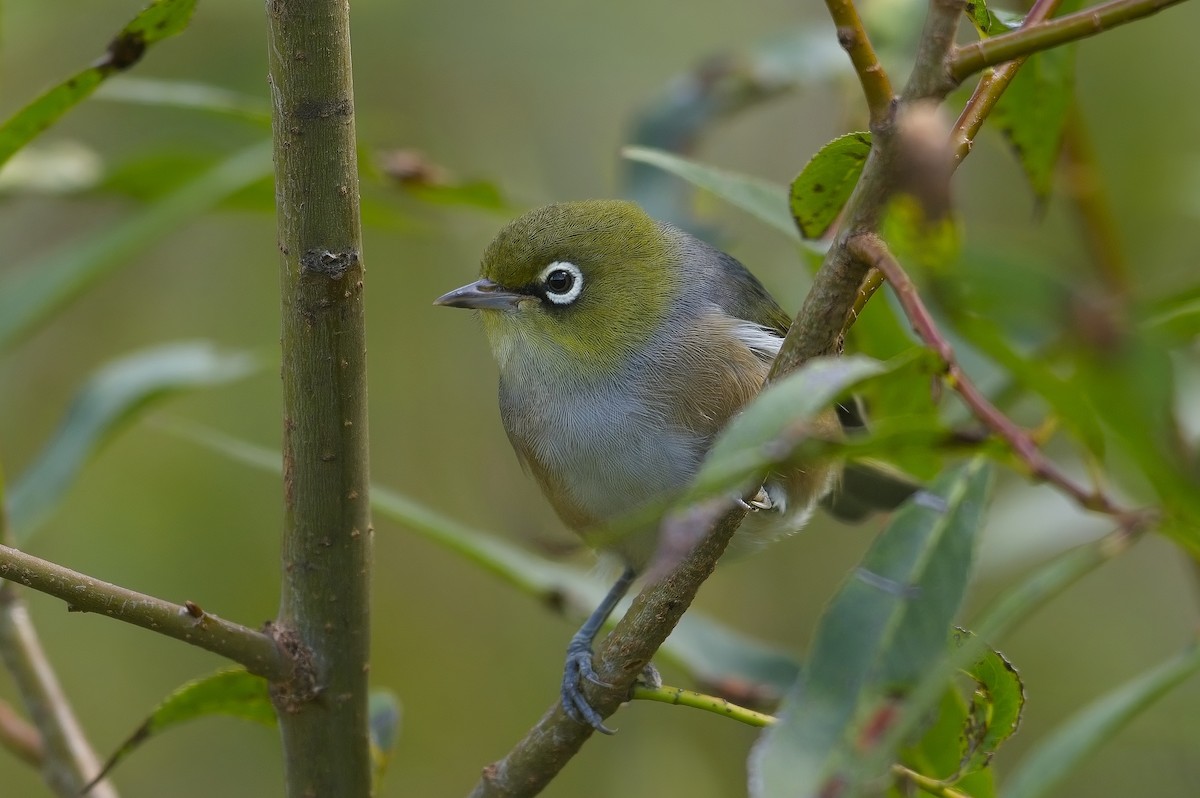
[
  {"x": 68, "y": 761},
  {"x": 19, "y": 737},
  {"x": 872, "y": 250},
  {"x": 1032, "y": 38},
  {"x": 706, "y": 703},
  {"x": 991, "y": 86},
  {"x": 926, "y": 784},
  {"x": 876, "y": 86},
  {"x": 255, "y": 650}
]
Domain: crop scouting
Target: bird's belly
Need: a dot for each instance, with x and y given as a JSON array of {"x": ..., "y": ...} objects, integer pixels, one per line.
[{"x": 602, "y": 457}]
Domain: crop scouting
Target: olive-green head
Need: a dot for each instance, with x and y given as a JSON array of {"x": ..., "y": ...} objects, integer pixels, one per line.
[{"x": 579, "y": 284}]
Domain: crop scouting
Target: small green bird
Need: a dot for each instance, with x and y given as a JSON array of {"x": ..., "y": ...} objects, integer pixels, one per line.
[{"x": 625, "y": 345}]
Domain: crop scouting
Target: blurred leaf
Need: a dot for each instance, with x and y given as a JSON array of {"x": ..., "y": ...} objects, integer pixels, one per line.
[
  {"x": 1087, "y": 731},
  {"x": 1176, "y": 317},
  {"x": 820, "y": 191},
  {"x": 186, "y": 94},
  {"x": 710, "y": 652},
  {"x": 718, "y": 87},
  {"x": 161, "y": 19},
  {"x": 1128, "y": 377},
  {"x": 60, "y": 167},
  {"x": 995, "y": 709},
  {"x": 766, "y": 431},
  {"x": 152, "y": 176},
  {"x": 107, "y": 400},
  {"x": 761, "y": 199},
  {"x": 427, "y": 181},
  {"x": 28, "y": 296},
  {"x": 233, "y": 692},
  {"x": 875, "y": 641},
  {"x": 383, "y": 721},
  {"x": 932, "y": 246}
]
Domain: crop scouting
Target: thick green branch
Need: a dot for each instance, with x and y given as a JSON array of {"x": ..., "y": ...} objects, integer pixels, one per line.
[
  {"x": 876, "y": 86},
  {"x": 255, "y": 650},
  {"x": 1029, "y": 39},
  {"x": 327, "y": 529}
]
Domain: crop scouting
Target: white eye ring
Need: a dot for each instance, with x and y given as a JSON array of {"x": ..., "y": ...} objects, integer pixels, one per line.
[{"x": 572, "y": 292}]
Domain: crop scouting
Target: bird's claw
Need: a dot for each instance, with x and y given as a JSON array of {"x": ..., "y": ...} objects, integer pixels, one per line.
[{"x": 575, "y": 704}]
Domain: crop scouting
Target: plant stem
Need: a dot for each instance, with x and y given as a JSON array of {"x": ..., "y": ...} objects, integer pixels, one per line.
[
  {"x": 926, "y": 784},
  {"x": 987, "y": 92},
  {"x": 870, "y": 249},
  {"x": 707, "y": 703},
  {"x": 83, "y": 593},
  {"x": 876, "y": 86},
  {"x": 68, "y": 761},
  {"x": 327, "y": 532},
  {"x": 20, "y": 738},
  {"x": 1029, "y": 39}
]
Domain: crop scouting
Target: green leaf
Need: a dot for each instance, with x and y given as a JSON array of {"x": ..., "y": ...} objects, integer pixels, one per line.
[
  {"x": 989, "y": 23},
  {"x": 823, "y": 186},
  {"x": 707, "y": 650},
  {"x": 1032, "y": 112},
  {"x": 1093, "y": 726},
  {"x": 186, "y": 94},
  {"x": 768, "y": 430},
  {"x": 107, "y": 400},
  {"x": 764, "y": 200},
  {"x": 995, "y": 709},
  {"x": 29, "y": 295},
  {"x": 883, "y": 630},
  {"x": 233, "y": 692},
  {"x": 161, "y": 19},
  {"x": 383, "y": 722},
  {"x": 938, "y": 751}
]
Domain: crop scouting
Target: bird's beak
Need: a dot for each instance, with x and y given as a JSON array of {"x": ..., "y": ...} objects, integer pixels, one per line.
[{"x": 481, "y": 295}]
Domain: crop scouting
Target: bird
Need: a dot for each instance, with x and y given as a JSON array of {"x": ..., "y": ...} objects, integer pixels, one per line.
[{"x": 624, "y": 346}]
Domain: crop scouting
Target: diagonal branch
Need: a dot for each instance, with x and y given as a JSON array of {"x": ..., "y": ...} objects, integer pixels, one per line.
[
  {"x": 869, "y": 248},
  {"x": 1029, "y": 39},
  {"x": 255, "y": 650},
  {"x": 876, "y": 86}
]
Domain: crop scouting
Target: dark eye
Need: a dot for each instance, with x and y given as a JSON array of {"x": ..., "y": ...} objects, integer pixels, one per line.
[
  {"x": 560, "y": 281},
  {"x": 563, "y": 281}
]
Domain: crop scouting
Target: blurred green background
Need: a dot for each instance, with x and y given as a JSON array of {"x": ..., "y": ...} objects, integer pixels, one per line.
[{"x": 536, "y": 96}]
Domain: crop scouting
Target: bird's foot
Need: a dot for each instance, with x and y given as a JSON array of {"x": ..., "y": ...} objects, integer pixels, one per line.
[
  {"x": 579, "y": 667},
  {"x": 759, "y": 501}
]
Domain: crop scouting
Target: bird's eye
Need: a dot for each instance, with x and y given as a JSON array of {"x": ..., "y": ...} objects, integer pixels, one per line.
[{"x": 563, "y": 282}]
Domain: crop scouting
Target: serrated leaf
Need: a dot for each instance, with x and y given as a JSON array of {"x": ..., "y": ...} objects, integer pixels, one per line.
[
  {"x": 873, "y": 644},
  {"x": 161, "y": 19},
  {"x": 383, "y": 723},
  {"x": 109, "y": 398},
  {"x": 710, "y": 652},
  {"x": 995, "y": 707},
  {"x": 234, "y": 693},
  {"x": 31, "y": 294},
  {"x": 766, "y": 431},
  {"x": 937, "y": 752},
  {"x": 764, "y": 200},
  {"x": 821, "y": 190},
  {"x": 1093, "y": 726}
]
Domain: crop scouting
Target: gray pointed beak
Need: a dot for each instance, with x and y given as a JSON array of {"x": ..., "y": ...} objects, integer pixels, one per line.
[{"x": 481, "y": 295}]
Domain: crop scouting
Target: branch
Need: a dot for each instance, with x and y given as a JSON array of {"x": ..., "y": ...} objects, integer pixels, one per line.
[
  {"x": 930, "y": 78},
  {"x": 20, "y": 738},
  {"x": 987, "y": 92},
  {"x": 1029, "y": 39},
  {"x": 926, "y": 784},
  {"x": 619, "y": 660},
  {"x": 871, "y": 249},
  {"x": 852, "y": 36},
  {"x": 327, "y": 533},
  {"x": 706, "y": 703},
  {"x": 67, "y": 761},
  {"x": 255, "y": 650}
]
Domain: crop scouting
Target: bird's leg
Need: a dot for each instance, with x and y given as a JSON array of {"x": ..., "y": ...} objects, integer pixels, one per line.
[{"x": 579, "y": 657}]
